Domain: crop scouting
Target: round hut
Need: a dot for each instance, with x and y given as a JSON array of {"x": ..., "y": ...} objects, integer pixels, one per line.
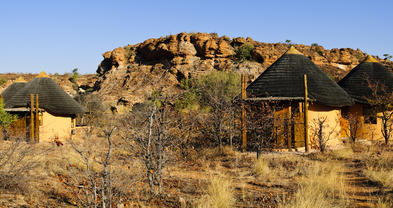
[
  {"x": 55, "y": 113},
  {"x": 366, "y": 84},
  {"x": 283, "y": 85}
]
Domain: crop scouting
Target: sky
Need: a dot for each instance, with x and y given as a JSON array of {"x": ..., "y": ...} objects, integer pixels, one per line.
[{"x": 59, "y": 35}]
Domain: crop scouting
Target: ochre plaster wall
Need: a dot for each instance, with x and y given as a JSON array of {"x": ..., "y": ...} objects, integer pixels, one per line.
[
  {"x": 54, "y": 126},
  {"x": 331, "y": 126},
  {"x": 365, "y": 130}
]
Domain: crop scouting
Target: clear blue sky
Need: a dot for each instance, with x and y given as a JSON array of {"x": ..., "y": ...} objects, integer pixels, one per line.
[{"x": 59, "y": 35}]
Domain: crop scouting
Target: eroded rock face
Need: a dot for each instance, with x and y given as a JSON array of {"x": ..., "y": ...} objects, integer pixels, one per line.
[{"x": 131, "y": 73}]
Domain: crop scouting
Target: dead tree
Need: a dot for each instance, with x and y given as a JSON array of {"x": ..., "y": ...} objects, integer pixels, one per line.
[
  {"x": 95, "y": 188},
  {"x": 17, "y": 160},
  {"x": 151, "y": 132},
  {"x": 381, "y": 102},
  {"x": 260, "y": 126},
  {"x": 321, "y": 134}
]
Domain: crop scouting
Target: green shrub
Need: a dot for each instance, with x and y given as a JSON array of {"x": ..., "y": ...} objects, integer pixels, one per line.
[
  {"x": 243, "y": 52},
  {"x": 2, "y": 81},
  {"x": 75, "y": 76}
]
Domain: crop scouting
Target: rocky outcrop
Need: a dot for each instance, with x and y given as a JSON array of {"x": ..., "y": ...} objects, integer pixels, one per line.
[{"x": 128, "y": 74}]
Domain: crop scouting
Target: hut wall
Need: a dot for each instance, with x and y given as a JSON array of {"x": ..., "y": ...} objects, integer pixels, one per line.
[
  {"x": 54, "y": 126},
  {"x": 332, "y": 125},
  {"x": 289, "y": 126},
  {"x": 369, "y": 131}
]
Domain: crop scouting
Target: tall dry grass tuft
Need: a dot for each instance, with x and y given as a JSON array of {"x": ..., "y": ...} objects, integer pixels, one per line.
[
  {"x": 379, "y": 168},
  {"x": 211, "y": 153},
  {"x": 261, "y": 167},
  {"x": 220, "y": 194},
  {"x": 321, "y": 186},
  {"x": 383, "y": 203}
]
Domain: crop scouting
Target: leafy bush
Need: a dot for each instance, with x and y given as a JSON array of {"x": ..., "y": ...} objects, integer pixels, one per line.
[
  {"x": 5, "y": 119},
  {"x": 2, "y": 81},
  {"x": 243, "y": 52},
  {"x": 75, "y": 76}
]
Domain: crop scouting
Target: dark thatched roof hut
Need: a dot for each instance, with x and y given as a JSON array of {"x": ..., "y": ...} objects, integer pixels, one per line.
[
  {"x": 283, "y": 80},
  {"x": 13, "y": 88},
  {"x": 52, "y": 97},
  {"x": 357, "y": 81}
]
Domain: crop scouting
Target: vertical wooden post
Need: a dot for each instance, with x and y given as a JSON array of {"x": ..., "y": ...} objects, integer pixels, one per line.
[
  {"x": 305, "y": 112},
  {"x": 37, "y": 120},
  {"x": 243, "y": 119},
  {"x": 289, "y": 127},
  {"x": 31, "y": 117}
]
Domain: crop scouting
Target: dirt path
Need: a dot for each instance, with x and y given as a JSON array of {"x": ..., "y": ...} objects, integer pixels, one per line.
[{"x": 361, "y": 191}]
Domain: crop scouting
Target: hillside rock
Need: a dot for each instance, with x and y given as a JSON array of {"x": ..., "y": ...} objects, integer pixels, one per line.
[{"x": 127, "y": 75}]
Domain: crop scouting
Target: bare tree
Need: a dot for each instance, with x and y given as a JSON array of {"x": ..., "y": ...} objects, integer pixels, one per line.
[
  {"x": 260, "y": 125},
  {"x": 95, "y": 183},
  {"x": 17, "y": 159},
  {"x": 382, "y": 105},
  {"x": 151, "y": 130},
  {"x": 322, "y": 133},
  {"x": 354, "y": 125}
]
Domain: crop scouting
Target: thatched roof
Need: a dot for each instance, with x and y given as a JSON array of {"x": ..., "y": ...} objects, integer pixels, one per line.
[
  {"x": 285, "y": 79},
  {"x": 13, "y": 88},
  {"x": 52, "y": 97},
  {"x": 357, "y": 81}
]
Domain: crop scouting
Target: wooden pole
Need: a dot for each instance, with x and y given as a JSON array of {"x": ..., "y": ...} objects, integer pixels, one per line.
[
  {"x": 31, "y": 117},
  {"x": 37, "y": 120},
  {"x": 305, "y": 112},
  {"x": 243, "y": 119},
  {"x": 289, "y": 127}
]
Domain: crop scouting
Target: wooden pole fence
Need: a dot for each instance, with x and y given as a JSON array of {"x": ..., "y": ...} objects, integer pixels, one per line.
[
  {"x": 32, "y": 117},
  {"x": 243, "y": 116},
  {"x": 305, "y": 112},
  {"x": 37, "y": 120}
]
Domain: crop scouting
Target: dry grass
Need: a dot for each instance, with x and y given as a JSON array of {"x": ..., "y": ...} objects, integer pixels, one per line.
[
  {"x": 383, "y": 203},
  {"x": 220, "y": 194},
  {"x": 261, "y": 167},
  {"x": 321, "y": 186},
  {"x": 342, "y": 154},
  {"x": 211, "y": 153},
  {"x": 379, "y": 168}
]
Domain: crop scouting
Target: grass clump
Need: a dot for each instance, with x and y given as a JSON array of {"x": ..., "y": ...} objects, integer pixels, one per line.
[
  {"x": 220, "y": 194},
  {"x": 379, "y": 168},
  {"x": 261, "y": 167},
  {"x": 322, "y": 186}
]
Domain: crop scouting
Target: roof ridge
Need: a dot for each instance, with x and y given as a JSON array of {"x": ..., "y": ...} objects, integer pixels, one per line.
[
  {"x": 292, "y": 50},
  {"x": 20, "y": 80},
  {"x": 370, "y": 59},
  {"x": 42, "y": 74}
]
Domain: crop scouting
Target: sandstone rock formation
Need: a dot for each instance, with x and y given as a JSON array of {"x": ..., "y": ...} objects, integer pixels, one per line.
[{"x": 127, "y": 75}]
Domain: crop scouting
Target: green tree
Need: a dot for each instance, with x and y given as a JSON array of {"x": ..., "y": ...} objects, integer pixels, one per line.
[
  {"x": 243, "y": 52},
  {"x": 214, "y": 94},
  {"x": 75, "y": 76},
  {"x": 5, "y": 119},
  {"x": 387, "y": 56}
]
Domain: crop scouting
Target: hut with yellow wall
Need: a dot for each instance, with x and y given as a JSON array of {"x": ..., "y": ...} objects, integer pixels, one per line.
[
  {"x": 363, "y": 83},
  {"x": 282, "y": 86},
  {"x": 54, "y": 117}
]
